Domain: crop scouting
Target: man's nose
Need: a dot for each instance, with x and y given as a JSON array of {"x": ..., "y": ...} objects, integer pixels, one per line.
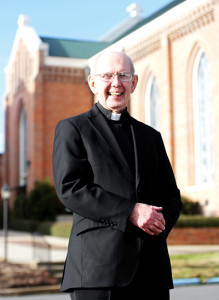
[{"x": 116, "y": 80}]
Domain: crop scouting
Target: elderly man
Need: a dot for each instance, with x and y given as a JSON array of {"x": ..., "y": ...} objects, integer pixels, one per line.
[{"x": 113, "y": 173}]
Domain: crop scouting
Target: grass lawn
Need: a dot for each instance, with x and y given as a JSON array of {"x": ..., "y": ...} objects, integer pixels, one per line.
[{"x": 203, "y": 265}]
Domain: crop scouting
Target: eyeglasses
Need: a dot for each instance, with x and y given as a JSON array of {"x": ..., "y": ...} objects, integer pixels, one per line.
[{"x": 110, "y": 76}]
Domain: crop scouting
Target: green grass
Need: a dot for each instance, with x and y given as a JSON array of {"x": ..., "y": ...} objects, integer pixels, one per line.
[{"x": 203, "y": 266}]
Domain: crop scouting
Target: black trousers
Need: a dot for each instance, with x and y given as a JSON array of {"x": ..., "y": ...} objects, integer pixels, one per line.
[{"x": 123, "y": 293}]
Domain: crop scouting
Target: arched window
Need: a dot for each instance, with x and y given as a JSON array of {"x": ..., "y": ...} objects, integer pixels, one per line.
[
  {"x": 23, "y": 149},
  {"x": 152, "y": 103},
  {"x": 203, "y": 122}
]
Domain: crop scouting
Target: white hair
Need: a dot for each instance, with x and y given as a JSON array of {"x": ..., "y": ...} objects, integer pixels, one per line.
[{"x": 96, "y": 59}]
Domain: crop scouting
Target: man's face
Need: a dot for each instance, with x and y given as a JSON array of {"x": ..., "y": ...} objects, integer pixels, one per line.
[{"x": 113, "y": 95}]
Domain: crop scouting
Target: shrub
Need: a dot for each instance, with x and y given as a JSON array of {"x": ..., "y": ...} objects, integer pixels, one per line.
[
  {"x": 23, "y": 225},
  {"x": 44, "y": 228},
  {"x": 59, "y": 229},
  {"x": 190, "y": 207},
  {"x": 43, "y": 203},
  {"x": 20, "y": 209},
  {"x": 197, "y": 221}
]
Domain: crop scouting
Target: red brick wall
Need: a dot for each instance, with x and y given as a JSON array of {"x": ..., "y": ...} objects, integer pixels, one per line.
[
  {"x": 62, "y": 100},
  {"x": 56, "y": 97},
  {"x": 194, "y": 236},
  {"x": 55, "y": 93}
]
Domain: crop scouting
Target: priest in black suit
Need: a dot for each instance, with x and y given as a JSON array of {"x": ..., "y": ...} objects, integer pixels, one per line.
[{"x": 113, "y": 173}]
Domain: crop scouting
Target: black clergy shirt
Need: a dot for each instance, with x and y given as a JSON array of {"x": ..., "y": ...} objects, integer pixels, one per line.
[{"x": 123, "y": 134}]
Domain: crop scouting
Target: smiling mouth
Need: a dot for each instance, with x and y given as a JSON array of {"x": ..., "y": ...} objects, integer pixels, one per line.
[{"x": 114, "y": 94}]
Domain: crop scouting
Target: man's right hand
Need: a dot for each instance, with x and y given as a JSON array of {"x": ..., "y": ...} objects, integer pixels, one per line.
[{"x": 148, "y": 218}]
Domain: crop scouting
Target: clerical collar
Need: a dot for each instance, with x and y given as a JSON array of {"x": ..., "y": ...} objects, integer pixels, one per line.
[
  {"x": 111, "y": 115},
  {"x": 115, "y": 116}
]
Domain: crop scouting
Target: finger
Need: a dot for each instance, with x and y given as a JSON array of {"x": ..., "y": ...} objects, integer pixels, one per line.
[
  {"x": 155, "y": 229},
  {"x": 160, "y": 217},
  {"x": 154, "y": 220},
  {"x": 153, "y": 223},
  {"x": 148, "y": 231},
  {"x": 159, "y": 225},
  {"x": 152, "y": 232},
  {"x": 157, "y": 208}
]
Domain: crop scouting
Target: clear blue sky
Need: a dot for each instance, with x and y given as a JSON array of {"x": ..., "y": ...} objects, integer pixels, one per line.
[{"x": 83, "y": 19}]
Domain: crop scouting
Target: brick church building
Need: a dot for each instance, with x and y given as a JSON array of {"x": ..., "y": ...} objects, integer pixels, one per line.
[{"x": 175, "y": 52}]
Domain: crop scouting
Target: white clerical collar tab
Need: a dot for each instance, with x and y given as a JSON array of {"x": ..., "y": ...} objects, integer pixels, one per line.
[{"x": 115, "y": 116}]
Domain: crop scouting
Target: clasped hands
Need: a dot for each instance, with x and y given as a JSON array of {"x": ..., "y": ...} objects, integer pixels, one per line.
[{"x": 148, "y": 218}]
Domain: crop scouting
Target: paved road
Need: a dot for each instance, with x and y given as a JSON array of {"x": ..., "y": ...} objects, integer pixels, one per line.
[{"x": 201, "y": 292}]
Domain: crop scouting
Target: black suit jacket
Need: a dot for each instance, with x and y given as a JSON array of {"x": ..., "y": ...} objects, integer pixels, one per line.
[{"x": 93, "y": 179}]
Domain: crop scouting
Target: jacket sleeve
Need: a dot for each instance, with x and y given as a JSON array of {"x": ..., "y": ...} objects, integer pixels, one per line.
[
  {"x": 73, "y": 178},
  {"x": 169, "y": 192}
]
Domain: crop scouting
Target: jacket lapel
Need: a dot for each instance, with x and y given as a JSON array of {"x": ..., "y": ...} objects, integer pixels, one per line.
[
  {"x": 137, "y": 150},
  {"x": 100, "y": 124}
]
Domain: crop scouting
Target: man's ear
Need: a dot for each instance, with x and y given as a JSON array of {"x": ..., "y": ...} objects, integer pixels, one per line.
[
  {"x": 134, "y": 83},
  {"x": 91, "y": 83}
]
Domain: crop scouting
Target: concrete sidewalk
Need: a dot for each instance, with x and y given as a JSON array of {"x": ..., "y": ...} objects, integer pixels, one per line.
[
  {"x": 25, "y": 247},
  {"x": 192, "y": 249}
]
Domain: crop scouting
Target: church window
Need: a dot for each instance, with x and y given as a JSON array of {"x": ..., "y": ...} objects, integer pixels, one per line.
[
  {"x": 23, "y": 149},
  {"x": 152, "y": 103},
  {"x": 203, "y": 121}
]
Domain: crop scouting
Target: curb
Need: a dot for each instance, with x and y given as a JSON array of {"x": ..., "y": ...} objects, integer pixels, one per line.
[
  {"x": 193, "y": 281},
  {"x": 213, "y": 280},
  {"x": 186, "y": 281}
]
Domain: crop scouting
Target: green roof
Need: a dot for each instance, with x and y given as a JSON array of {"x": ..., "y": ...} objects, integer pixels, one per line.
[
  {"x": 150, "y": 18},
  {"x": 73, "y": 48}
]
